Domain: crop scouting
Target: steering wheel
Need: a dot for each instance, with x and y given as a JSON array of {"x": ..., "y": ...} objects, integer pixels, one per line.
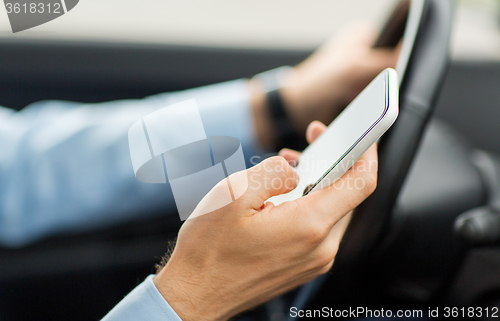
[{"x": 419, "y": 88}]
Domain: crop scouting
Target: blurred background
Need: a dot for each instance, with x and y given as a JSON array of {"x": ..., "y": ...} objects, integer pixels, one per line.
[
  {"x": 120, "y": 49},
  {"x": 293, "y": 28},
  {"x": 276, "y": 24}
]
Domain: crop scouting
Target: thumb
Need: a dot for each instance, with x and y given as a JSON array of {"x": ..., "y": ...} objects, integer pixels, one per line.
[{"x": 274, "y": 176}]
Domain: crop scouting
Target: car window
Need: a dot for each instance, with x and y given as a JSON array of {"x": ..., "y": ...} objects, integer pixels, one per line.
[
  {"x": 281, "y": 24},
  {"x": 222, "y": 23}
]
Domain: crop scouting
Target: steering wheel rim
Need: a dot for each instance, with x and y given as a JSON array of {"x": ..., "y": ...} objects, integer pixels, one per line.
[{"x": 419, "y": 90}]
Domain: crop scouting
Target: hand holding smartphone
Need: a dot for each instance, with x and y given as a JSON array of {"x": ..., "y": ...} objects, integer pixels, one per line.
[{"x": 358, "y": 127}]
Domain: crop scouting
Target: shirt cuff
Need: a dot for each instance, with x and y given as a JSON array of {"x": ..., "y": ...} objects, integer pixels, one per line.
[{"x": 145, "y": 302}]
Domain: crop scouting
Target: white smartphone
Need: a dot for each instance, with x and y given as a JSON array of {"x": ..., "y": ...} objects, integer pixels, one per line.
[{"x": 357, "y": 128}]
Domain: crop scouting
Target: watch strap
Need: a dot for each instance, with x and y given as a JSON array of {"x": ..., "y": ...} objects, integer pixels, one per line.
[{"x": 286, "y": 135}]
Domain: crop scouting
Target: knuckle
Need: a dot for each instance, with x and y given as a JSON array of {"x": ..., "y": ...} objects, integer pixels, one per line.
[
  {"x": 326, "y": 268},
  {"x": 281, "y": 168},
  {"x": 371, "y": 184},
  {"x": 327, "y": 255},
  {"x": 289, "y": 207},
  {"x": 316, "y": 234},
  {"x": 282, "y": 165}
]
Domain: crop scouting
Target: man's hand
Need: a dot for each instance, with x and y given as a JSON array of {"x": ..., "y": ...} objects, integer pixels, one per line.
[
  {"x": 326, "y": 82},
  {"x": 250, "y": 251}
]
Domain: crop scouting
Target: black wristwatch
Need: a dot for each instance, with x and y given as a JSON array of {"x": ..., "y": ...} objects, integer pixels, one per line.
[{"x": 286, "y": 135}]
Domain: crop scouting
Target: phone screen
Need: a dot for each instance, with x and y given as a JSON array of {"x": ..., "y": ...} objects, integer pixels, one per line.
[{"x": 342, "y": 135}]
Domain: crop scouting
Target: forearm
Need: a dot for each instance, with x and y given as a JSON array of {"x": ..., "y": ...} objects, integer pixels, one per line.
[{"x": 66, "y": 166}]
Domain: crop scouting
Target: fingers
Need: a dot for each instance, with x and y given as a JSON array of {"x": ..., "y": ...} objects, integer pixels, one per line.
[
  {"x": 290, "y": 155},
  {"x": 386, "y": 57},
  {"x": 272, "y": 177},
  {"x": 314, "y": 130},
  {"x": 383, "y": 58},
  {"x": 347, "y": 193},
  {"x": 359, "y": 34},
  {"x": 362, "y": 33},
  {"x": 397, "y": 50}
]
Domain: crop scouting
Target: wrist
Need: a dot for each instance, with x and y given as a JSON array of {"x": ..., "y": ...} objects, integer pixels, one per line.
[
  {"x": 261, "y": 116},
  {"x": 307, "y": 97},
  {"x": 293, "y": 102},
  {"x": 191, "y": 300},
  {"x": 260, "y": 85}
]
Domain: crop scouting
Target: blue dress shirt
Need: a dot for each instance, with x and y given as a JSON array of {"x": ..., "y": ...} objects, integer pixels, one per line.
[
  {"x": 66, "y": 167},
  {"x": 144, "y": 303}
]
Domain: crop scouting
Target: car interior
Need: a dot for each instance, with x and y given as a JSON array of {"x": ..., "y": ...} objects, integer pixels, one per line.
[{"x": 427, "y": 237}]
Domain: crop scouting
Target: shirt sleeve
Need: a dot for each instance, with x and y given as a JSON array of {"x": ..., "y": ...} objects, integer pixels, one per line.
[
  {"x": 66, "y": 167},
  {"x": 144, "y": 303}
]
